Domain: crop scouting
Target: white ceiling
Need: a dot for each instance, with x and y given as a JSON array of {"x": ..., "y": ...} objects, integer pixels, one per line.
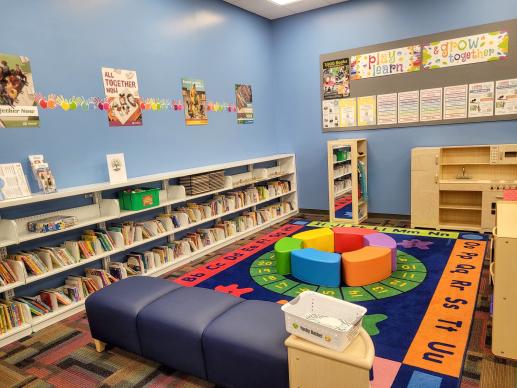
[{"x": 271, "y": 10}]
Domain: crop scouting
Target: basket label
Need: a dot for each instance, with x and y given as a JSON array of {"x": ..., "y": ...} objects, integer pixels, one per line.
[{"x": 147, "y": 200}]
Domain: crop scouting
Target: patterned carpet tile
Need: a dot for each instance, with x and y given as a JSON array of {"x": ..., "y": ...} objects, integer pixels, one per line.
[{"x": 62, "y": 355}]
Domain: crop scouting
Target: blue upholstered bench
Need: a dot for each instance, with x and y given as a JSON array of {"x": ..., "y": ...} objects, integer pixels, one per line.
[{"x": 220, "y": 338}]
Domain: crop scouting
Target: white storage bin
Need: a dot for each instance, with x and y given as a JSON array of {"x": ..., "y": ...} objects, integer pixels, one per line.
[{"x": 324, "y": 320}]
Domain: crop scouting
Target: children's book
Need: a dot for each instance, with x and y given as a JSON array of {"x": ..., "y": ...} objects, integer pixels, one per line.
[{"x": 42, "y": 173}]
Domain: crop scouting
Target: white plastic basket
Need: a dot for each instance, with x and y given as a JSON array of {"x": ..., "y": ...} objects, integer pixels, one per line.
[{"x": 310, "y": 303}]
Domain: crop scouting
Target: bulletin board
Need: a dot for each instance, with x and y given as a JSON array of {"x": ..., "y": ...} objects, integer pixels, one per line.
[{"x": 428, "y": 78}]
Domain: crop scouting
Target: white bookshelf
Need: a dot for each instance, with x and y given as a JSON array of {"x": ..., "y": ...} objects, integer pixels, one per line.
[{"x": 14, "y": 231}]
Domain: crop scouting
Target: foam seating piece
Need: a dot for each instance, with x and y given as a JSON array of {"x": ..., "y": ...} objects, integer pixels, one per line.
[
  {"x": 171, "y": 328},
  {"x": 383, "y": 240},
  {"x": 350, "y": 239},
  {"x": 319, "y": 238},
  {"x": 114, "y": 309},
  {"x": 245, "y": 341},
  {"x": 283, "y": 248},
  {"x": 316, "y": 267},
  {"x": 366, "y": 265},
  {"x": 211, "y": 335}
]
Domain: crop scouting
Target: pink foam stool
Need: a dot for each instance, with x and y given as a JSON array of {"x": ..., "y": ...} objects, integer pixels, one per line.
[{"x": 383, "y": 240}]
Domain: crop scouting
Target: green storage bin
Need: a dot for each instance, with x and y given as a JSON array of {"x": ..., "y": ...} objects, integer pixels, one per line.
[
  {"x": 138, "y": 199},
  {"x": 340, "y": 155}
]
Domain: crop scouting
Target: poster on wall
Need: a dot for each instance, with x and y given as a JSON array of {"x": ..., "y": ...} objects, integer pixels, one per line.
[
  {"x": 431, "y": 104},
  {"x": 366, "y": 111},
  {"x": 17, "y": 105},
  {"x": 121, "y": 89},
  {"x": 194, "y": 100},
  {"x": 408, "y": 106},
  {"x": 455, "y": 102},
  {"x": 330, "y": 116},
  {"x": 506, "y": 97},
  {"x": 395, "y": 61},
  {"x": 481, "y": 99},
  {"x": 347, "y": 112},
  {"x": 244, "y": 103},
  {"x": 387, "y": 109},
  {"x": 336, "y": 79},
  {"x": 490, "y": 46}
]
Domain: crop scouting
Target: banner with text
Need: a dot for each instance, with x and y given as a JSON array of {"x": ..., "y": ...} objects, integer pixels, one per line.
[
  {"x": 388, "y": 62},
  {"x": 490, "y": 46}
]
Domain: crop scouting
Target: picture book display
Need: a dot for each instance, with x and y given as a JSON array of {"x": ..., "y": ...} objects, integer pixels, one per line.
[
  {"x": 121, "y": 89},
  {"x": 18, "y": 107},
  {"x": 336, "y": 79},
  {"x": 244, "y": 102},
  {"x": 42, "y": 173},
  {"x": 194, "y": 100},
  {"x": 116, "y": 168},
  {"x": 13, "y": 183}
]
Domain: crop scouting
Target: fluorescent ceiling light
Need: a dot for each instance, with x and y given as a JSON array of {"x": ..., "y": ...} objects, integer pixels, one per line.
[{"x": 283, "y": 2}]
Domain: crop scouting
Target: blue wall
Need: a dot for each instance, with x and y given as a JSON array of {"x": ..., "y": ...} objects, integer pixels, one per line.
[
  {"x": 68, "y": 42},
  {"x": 298, "y": 42},
  {"x": 163, "y": 40}
]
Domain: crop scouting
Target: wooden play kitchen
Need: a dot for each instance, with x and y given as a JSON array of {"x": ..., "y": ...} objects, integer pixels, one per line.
[{"x": 457, "y": 187}]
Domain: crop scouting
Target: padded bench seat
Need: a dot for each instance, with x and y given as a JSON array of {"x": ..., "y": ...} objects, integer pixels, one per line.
[{"x": 227, "y": 340}]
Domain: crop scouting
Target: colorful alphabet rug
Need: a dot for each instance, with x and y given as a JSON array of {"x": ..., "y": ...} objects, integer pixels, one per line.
[{"x": 419, "y": 318}]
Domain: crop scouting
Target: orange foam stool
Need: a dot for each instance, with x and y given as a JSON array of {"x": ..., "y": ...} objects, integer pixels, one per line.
[
  {"x": 321, "y": 239},
  {"x": 366, "y": 265},
  {"x": 349, "y": 239}
]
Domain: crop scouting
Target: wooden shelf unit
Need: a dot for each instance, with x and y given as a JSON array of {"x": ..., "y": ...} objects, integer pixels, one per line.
[
  {"x": 504, "y": 336},
  {"x": 457, "y": 187},
  {"x": 13, "y": 231},
  {"x": 357, "y": 149}
]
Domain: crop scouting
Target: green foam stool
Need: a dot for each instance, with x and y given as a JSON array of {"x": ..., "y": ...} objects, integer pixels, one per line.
[{"x": 283, "y": 248}]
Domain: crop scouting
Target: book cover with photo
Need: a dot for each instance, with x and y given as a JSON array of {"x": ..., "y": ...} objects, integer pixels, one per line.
[
  {"x": 336, "y": 79},
  {"x": 244, "y": 98},
  {"x": 17, "y": 105},
  {"x": 194, "y": 100},
  {"x": 121, "y": 89}
]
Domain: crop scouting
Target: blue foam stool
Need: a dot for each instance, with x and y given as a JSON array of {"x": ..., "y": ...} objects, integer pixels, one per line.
[{"x": 316, "y": 267}]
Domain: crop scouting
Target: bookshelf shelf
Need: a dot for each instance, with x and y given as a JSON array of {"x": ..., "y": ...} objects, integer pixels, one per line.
[
  {"x": 339, "y": 193},
  {"x": 345, "y": 189},
  {"x": 32, "y": 279},
  {"x": 15, "y": 334},
  {"x": 342, "y": 175},
  {"x": 63, "y": 312},
  {"x": 100, "y": 210}
]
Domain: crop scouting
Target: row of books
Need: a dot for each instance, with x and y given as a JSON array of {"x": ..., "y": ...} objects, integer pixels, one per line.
[
  {"x": 127, "y": 233},
  {"x": 7, "y": 274},
  {"x": 75, "y": 289},
  {"x": 12, "y": 314},
  {"x": 139, "y": 263}
]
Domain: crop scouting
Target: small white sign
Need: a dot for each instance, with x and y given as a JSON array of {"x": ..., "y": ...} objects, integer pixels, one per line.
[{"x": 116, "y": 168}]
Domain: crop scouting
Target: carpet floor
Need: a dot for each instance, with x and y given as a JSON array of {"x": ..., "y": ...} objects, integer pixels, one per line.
[{"x": 63, "y": 355}]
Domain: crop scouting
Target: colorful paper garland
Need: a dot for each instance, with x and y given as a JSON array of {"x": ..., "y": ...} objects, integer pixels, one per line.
[{"x": 53, "y": 101}]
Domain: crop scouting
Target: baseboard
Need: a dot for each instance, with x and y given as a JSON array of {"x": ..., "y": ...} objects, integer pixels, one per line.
[{"x": 370, "y": 215}]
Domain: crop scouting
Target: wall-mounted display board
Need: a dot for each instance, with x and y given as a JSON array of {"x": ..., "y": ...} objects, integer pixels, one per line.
[{"x": 460, "y": 76}]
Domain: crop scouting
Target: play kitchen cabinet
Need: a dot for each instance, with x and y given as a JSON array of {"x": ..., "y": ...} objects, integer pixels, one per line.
[{"x": 457, "y": 187}]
